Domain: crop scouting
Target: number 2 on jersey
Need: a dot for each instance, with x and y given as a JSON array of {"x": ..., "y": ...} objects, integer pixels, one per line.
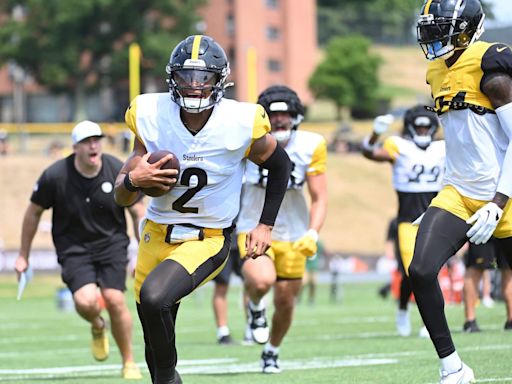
[{"x": 202, "y": 180}]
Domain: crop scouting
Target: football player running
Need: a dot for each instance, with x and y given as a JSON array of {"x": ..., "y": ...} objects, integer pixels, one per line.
[
  {"x": 186, "y": 236},
  {"x": 295, "y": 233},
  {"x": 418, "y": 167},
  {"x": 471, "y": 85}
]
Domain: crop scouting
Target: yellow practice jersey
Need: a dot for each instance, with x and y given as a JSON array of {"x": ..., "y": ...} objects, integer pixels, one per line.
[
  {"x": 475, "y": 141},
  {"x": 308, "y": 153},
  {"x": 212, "y": 161},
  {"x": 459, "y": 86},
  {"x": 417, "y": 174}
]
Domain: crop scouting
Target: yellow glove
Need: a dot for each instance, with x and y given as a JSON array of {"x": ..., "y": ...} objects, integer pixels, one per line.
[{"x": 307, "y": 243}]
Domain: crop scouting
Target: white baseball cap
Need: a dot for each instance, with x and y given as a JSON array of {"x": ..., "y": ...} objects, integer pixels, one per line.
[{"x": 84, "y": 130}]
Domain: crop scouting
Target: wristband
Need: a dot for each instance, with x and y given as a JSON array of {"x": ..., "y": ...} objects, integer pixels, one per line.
[{"x": 128, "y": 184}]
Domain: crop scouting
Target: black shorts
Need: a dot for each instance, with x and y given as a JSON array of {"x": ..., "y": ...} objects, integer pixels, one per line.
[
  {"x": 233, "y": 264},
  {"x": 105, "y": 268},
  {"x": 485, "y": 256}
]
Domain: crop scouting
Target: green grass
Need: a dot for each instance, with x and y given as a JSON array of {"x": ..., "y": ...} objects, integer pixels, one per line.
[{"x": 348, "y": 342}]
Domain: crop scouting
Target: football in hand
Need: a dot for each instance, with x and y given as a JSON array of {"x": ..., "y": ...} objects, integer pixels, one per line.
[{"x": 173, "y": 163}]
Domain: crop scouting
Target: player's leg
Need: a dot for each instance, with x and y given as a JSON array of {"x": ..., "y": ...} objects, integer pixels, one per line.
[
  {"x": 504, "y": 247},
  {"x": 506, "y": 286},
  {"x": 290, "y": 267},
  {"x": 472, "y": 278},
  {"x": 406, "y": 239},
  {"x": 79, "y": 274},
  {"x": 111, "y": 271},
  {"x": 478, "y": 258},
  {"x": 440, "y": 235},
  {"x": 184, "y": 267},
  {"x": 259, "y": 276}
]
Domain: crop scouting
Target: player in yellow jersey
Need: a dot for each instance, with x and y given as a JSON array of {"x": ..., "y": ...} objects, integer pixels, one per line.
[
  {"x": 296, "y": 229},
  {"x": 186, "y": 236},
  {"x": 471, "y": 84},
  {"x": 418, "y": 167}
]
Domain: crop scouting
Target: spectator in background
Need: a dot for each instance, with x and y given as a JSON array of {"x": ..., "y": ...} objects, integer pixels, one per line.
[
  {"x": 478, "y": 259},
  {"x": 309, "y": 280},
  {"x": 89, "y": 233},
  {"x": 4, "y": 142}
]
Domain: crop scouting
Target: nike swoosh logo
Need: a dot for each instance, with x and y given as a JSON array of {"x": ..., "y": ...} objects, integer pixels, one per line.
[
  {"x": 263, "y": 114},
  {"x": 501, "y": 49}
]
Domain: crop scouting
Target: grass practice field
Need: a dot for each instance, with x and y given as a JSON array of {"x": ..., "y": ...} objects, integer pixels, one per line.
[{"x": 352, "y": 341}]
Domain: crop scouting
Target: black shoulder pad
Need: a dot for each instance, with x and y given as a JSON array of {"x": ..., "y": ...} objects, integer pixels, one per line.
[{"x": 497, "y": 59}]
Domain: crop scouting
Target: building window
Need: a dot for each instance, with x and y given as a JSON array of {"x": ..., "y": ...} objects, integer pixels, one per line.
[
  {"x": 274, "y": 4},
  {"x": 274, "y": 65},
  {"x": 272, "y": 33}
]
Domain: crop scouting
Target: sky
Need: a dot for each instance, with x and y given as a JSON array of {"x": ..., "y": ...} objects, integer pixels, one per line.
[{"x": 502, "y": 10}]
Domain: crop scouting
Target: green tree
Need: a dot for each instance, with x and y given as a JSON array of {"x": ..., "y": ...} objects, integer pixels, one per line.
[
  {"x": 347, "y": 75},
  {"x": 77, "y": 45},
  {"x": 386, "y": 21}
]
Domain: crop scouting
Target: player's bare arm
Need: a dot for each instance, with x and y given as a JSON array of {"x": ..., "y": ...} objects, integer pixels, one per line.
[
  {"x": 317, "y": 187},
  {"x": 137, "y": 173},
  {"x": 137, "y": 211},
  {"x": 29, "y": 229},
  {"x": 498, "y": 88},
  {"x": 268, "y": 154}
]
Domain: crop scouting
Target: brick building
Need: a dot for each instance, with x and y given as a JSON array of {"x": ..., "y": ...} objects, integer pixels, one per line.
[{"x": 267, "y": 41}]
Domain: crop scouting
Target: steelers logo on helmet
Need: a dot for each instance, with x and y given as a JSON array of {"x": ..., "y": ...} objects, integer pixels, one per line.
[
  {"x": 420, "y": 125},
  {"x": 197, "y": 72},
  {"x": 279, "y": 100},
  {"x": 445, "y": 26}
]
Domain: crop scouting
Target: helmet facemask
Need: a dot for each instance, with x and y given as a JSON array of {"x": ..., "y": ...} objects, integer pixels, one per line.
[
  {"x": 421, "y": 140},
  {"x": 197, "y": 72},
  {"x": 283, "y": 130},
  {"x": 196, "y": 90},
  {"x": 440, "y": 36}
]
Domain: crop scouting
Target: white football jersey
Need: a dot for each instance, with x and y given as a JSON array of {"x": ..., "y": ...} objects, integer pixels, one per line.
[
  {"x": 416, "y": 170},
  {"x": 308, "y": 154},
  {"x": 475, "y": 146},
  {"x": 212, "y": 161}
]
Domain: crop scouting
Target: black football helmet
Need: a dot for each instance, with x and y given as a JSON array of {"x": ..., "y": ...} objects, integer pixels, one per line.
[
  {"x": 197, "y": 72},
  {"x": 419, "y": 117},
  {"x": 280, "y": 98},
  {"x": 445, "y": 26}
]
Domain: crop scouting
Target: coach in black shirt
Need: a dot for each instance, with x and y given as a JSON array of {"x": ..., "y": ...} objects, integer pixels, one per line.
[{"x": 89, "y": 233}]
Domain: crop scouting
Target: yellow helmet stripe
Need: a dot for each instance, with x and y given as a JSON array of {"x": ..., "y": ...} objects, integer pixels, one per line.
[
  {"x": 427, "y": 7},
  {"x": 195, "y": 47}
]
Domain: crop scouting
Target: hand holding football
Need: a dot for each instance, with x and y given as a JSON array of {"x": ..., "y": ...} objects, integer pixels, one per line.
[{"x": 173, "y": 163}]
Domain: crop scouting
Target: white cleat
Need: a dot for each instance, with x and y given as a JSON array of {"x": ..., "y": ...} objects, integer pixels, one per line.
[
  {"x": 257, "y": 322},
  {"x": 403, "y": 323},
  {"x": 424, "y": 334},
  {"x": 464, "y": 375}
]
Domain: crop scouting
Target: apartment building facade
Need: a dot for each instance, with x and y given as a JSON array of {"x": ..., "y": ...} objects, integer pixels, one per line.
[{"x": 268, "y": 42}]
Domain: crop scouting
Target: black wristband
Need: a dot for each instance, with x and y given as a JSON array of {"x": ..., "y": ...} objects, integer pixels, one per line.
[
  {"x": 128, "y": 183},
  {"x": 279, "y": 168}
]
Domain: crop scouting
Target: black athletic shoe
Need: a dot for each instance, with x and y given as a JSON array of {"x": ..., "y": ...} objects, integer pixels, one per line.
[
  {"x": 508, "y": 325},
  {"x": 471, "y": 327},
  {"x": 270, "y": 363},
  {"x": 226, "y": 340}
]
